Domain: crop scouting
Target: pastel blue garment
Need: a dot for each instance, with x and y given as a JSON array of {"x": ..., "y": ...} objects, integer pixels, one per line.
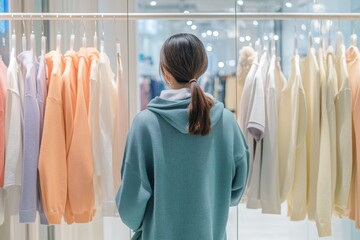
[
  {"x": 31, "y": 147},
  {"x": 178, "y": 186}
]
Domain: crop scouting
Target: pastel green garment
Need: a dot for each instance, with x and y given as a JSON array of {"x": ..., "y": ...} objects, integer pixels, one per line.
[{"x": 178, "y": 186}]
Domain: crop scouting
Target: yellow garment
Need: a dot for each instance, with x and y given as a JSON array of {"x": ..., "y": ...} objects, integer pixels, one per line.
[{"x": 311, "y": 81}]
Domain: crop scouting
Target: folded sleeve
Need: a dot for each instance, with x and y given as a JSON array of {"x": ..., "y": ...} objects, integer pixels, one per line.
[
  {"x": 240, "y": 178},
  {"x": 132, "y": 198},
  {"x": 135, "y": 189}
]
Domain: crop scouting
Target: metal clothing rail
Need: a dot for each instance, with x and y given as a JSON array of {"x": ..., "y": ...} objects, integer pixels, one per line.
[{"x": 179, "y": 16}]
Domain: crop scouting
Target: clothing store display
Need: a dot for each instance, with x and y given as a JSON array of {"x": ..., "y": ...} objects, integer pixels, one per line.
[{"x": 146, "y": 153}]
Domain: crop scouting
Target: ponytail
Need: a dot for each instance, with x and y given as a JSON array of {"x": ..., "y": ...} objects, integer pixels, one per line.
[
  {"x": 199, "y": 111},
  {"x": 183, "y": 56}
]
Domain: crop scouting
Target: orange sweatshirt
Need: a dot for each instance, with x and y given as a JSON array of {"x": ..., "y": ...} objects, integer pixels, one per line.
[
  {"x": 52, "y": 159},
  {"x": 353, "y": 64},
  {"x": 80, "y": 160}
]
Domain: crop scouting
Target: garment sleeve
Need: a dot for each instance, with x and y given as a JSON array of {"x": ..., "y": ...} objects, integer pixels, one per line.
[
  {"x": 135, "y": 189},
  {"x": 241, "y": 166},
  {"x": 240, "y": 178}
]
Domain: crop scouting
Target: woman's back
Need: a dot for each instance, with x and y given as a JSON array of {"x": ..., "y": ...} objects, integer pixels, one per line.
[{"x": 177, "y": 185}]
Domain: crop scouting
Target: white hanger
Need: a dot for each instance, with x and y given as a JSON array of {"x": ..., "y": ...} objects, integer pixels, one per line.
[
  {"x": 310, "y": 40},
  {"x": 329, "y": 34},
  {"x": 102, "y": 35},
  {"x": 83, "y": 40},
  {"x": 353, "y": 40},
  {"x": 266, "y": 42},
  {"x": 72, "y": 36},
  {"x": 273, "y": 46},
  {"x": 296, "y": 52},
  {"x": 23, "y": 39},
  {"x": 95, "y": 36},
  {"x": 13, "y": 42},
  {"x": 43, "y": 39},
  {"x": 339, "y": 41},
  {"x": 58, "y": 37},
  {"x": 32, "y": 40}
]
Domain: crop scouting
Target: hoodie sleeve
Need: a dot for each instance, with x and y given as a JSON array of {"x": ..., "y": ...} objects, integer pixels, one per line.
[
  {"x": 135, "y": 189},
  {"x": 241, "y": 166}
]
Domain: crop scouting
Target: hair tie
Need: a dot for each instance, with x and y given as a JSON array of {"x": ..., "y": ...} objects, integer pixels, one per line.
[{"x": 192, "y": 81}]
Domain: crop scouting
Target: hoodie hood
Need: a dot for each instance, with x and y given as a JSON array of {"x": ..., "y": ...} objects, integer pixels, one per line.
[{"x": 176, "y": 113}]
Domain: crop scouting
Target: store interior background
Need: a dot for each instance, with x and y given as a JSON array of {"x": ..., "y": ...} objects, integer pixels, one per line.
[{"x": 141, "y": 41}]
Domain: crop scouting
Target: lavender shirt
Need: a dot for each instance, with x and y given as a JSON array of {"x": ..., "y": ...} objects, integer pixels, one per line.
[{"x": 31, "y": 140}]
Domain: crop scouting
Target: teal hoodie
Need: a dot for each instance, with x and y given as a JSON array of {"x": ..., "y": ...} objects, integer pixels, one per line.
[{"x": 178, "y": 186}]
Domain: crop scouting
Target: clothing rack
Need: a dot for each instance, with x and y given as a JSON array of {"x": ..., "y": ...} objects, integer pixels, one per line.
[{"x": 179, "y": 16}]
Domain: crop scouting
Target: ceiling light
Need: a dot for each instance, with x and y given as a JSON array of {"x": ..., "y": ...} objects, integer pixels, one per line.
[
  {"x": 231, "y": 63},
  {"x": 153, "y": 3},
  {"x": 240, "y": 3},
  {"x": 215, "y": 33},
  {"x": 221, "y": 64},
  {"x": 317, "y": 40},
  {"x": 303, "y": 27},
  {"x": 209, "y": 48},
  {"x": 276, "y": 37},
  {"x": 242, "y": 39},
  {"x": 266, "y": 38},
  {"x": 209, "y": 32},
  {"x": 186, "y": 11},
  {"x": 204, "y": 35},
  {"x": 248, "y": 38},
  {"x": 193, "y": 27},
  {"x": 255, "y": 23},
  {"x": 288, "y": 4},
  {"x": 189, "y": 23}
]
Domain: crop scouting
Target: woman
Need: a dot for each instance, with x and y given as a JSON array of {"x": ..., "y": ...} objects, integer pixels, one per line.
[{"x": 186, "y": 160}]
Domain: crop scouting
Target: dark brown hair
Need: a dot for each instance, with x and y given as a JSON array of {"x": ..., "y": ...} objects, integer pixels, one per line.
[{"x": 184, "y": 57}]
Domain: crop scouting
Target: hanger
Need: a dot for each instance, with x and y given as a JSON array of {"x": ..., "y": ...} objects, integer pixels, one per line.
[
  {"x": 13, "y": 39},
  {"x": 58, "y": 36},
  {"x": 266, "y": 42},
  {"x": 310, "y": 37},
  {"x": 118, "y": 47},
  {"x": 23, "y": 39},
  {"x": 43, "y": 38},
  {"x": 296, "y": 52},
  {"x": 32, "y": 40},
  {"x": 273, "y": 46},
  {"x": 72, "y": 36},
  {"x": 83, "y": 40},
  {"x": 329, "y": 33},
  {"x": 95, "y": 35},
  {"x": 102, "y": 34},
  {"x": 339, "y": 41},
  {"x": 353, "y": 38}
]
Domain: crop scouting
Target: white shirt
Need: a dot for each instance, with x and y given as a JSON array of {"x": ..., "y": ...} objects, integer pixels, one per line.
[
  {"x": 103, "y": 123},
  {"x": 324, "y": 186},
  {"x": 256, "y": 127},
  {"x": 344, "y": 135},
  {"x": 310, "y": 74},
  {"x": 269, "y": 185},
  {"x": 13, "y": 135},
  {"x": 297, "y": 207}
]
